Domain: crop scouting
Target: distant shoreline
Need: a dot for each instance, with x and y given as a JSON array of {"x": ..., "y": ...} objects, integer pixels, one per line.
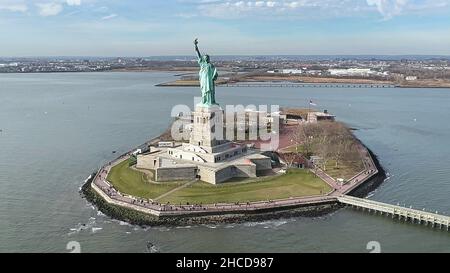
[
  {"x": 289, "y": 79},
  {"x": 180, "y": 71}
]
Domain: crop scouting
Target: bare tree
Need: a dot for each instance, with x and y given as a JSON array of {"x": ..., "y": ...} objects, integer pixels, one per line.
[{"x": 305, "y": 137}]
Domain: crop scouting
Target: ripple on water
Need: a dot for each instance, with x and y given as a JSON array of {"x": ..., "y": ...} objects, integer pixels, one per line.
[
  {"x": 184, "y": 227},
  {"x": 268, "y": 224}
]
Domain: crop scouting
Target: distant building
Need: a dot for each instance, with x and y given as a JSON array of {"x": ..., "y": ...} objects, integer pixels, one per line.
[
  {"x": 292, "y": 71},
  {"x": 411, "y": 78},
  {"x": 360, "y": 72},
  {"x": 314, "y": 72}
]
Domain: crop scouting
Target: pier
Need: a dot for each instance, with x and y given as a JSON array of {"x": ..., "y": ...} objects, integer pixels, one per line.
[
  {"x": 308, "y": 85},
  {"x": 402, "y": 213}
]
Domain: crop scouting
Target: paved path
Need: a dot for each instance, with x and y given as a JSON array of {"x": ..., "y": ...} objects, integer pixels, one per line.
[
  {"x": 103, "y": 187},
  {"x": 369, "y": 170}
]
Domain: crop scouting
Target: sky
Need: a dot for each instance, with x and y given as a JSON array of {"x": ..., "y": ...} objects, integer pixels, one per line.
[{"x": 230, "y": 27}]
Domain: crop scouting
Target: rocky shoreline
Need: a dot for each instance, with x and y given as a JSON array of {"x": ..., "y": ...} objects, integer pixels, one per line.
[
  {"x": 143, "y": 219},
  {"x": 373, "y": 183}
]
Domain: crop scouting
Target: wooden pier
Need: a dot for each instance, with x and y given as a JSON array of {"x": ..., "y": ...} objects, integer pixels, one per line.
[{"x": 402, "y": 213}]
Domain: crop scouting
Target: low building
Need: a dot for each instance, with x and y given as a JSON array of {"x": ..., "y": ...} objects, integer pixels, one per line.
[
  {"x": 351, "y": 72},
  {"x": 292, "y": 71},
  {"x": 294, "y": 160},
  {"x": 315, "y": 117},
  {"x": 411, "y": 78}
]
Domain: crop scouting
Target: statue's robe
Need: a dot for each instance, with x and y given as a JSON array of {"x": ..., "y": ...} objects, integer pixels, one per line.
[{"x": 207, "y": 76}]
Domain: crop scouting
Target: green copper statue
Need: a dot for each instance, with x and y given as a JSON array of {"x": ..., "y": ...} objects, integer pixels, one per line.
[{"x": 207, "y": 77}]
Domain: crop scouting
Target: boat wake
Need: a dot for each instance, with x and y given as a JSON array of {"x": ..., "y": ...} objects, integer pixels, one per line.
[
  {"x": 268, "y": 224},
  {"x": 90, "y": 225}
]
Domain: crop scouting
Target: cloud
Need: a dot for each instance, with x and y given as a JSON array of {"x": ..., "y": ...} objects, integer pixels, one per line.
[
  {"x": 389, "y": 8},
  {"x": 13, "y": 6},
  {"x": 55, "y": 7},
  {"x": 73, "y": 2},
  {"x": 108, "y": 17},
  {"x": 49, "y": 9},
  {"x": 318, "y": 8},
  {"x": 233, "y": 8}
]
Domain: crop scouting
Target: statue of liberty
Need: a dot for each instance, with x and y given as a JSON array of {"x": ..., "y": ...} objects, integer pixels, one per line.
[{"x": 207, "y": 76}]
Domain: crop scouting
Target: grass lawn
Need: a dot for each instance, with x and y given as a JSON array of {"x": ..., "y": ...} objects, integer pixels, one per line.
[
  {"x": 346, "y": 170},
  {"x": 136, "y": 183},
  {"x": 296, "y": 183}
]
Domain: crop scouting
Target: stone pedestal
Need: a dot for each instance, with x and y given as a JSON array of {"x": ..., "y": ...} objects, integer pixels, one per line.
[{"x": 207, "y": 131}]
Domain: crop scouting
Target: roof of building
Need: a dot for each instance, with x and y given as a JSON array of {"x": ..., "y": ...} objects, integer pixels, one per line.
[
  {"x": 322, "y": 114},
  {"x": 294, "y": 158}
]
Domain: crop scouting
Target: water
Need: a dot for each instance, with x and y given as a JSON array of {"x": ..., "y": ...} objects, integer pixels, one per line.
[{"x": 58, "y": 128}]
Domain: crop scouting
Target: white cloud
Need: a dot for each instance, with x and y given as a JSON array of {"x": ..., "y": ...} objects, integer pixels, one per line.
[
  {"x": 55, "y": 7},
  {"x": 318, "y": 8},
  {"x": 73, "y": 2},
  {"x": 271, "y": 4},
  {"x": 389, "y": 8},
  {"x": 13, "y": 5},
  {"x": 292, "y": 5},
  {"x": 259, "y": 3},
  {"x": 49, "y": 9},
  {"x": 108, "y": 17}
]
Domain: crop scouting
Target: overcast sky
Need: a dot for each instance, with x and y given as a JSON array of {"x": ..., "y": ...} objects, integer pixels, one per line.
[{"x": 168, "y": 27}]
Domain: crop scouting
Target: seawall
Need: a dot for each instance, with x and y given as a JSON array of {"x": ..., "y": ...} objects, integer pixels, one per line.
[{"x": 135, "y": 217}]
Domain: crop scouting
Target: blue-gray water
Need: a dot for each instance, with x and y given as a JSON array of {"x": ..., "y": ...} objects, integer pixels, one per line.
[{"x": 57, "y": 128}]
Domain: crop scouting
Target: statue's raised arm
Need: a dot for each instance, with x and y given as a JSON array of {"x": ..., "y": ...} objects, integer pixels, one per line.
[{"x": 196, "y": 48}]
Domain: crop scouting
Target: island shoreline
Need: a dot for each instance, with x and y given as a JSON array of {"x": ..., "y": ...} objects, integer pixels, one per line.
[{"x": 139, "y": 218}]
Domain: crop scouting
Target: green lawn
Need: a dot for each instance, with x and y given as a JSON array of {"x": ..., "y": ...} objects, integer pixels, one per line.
[
  {"x": 136, "y": 183},
  {"x": 296, "y": 183}
]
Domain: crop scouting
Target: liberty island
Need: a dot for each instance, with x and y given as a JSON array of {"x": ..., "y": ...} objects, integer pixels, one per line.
[{"x": 209, "y": 179}]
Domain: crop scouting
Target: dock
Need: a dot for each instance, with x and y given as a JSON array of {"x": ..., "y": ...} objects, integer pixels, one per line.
[{"x": 401, "y": 213}]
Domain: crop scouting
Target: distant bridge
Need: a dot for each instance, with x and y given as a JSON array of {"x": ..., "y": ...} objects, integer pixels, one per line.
[
  {"x": 408, "y": 214},
  {"x": 306, "y": 85}
]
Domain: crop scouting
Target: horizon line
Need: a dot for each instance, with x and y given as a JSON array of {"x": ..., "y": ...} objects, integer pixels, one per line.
[{"x": 231, "y": 55}]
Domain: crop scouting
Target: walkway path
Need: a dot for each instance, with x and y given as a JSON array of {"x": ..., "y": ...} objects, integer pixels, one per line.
[
  {"x": 339, "y": 189},
  {"x": 111, "y": 195}
]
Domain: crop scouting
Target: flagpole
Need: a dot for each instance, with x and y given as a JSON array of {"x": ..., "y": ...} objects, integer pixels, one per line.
[{"x": 309, "y": 109}]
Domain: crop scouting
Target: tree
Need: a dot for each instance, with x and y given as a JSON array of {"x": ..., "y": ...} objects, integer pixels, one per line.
[{"x": 304, "y": 137}]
